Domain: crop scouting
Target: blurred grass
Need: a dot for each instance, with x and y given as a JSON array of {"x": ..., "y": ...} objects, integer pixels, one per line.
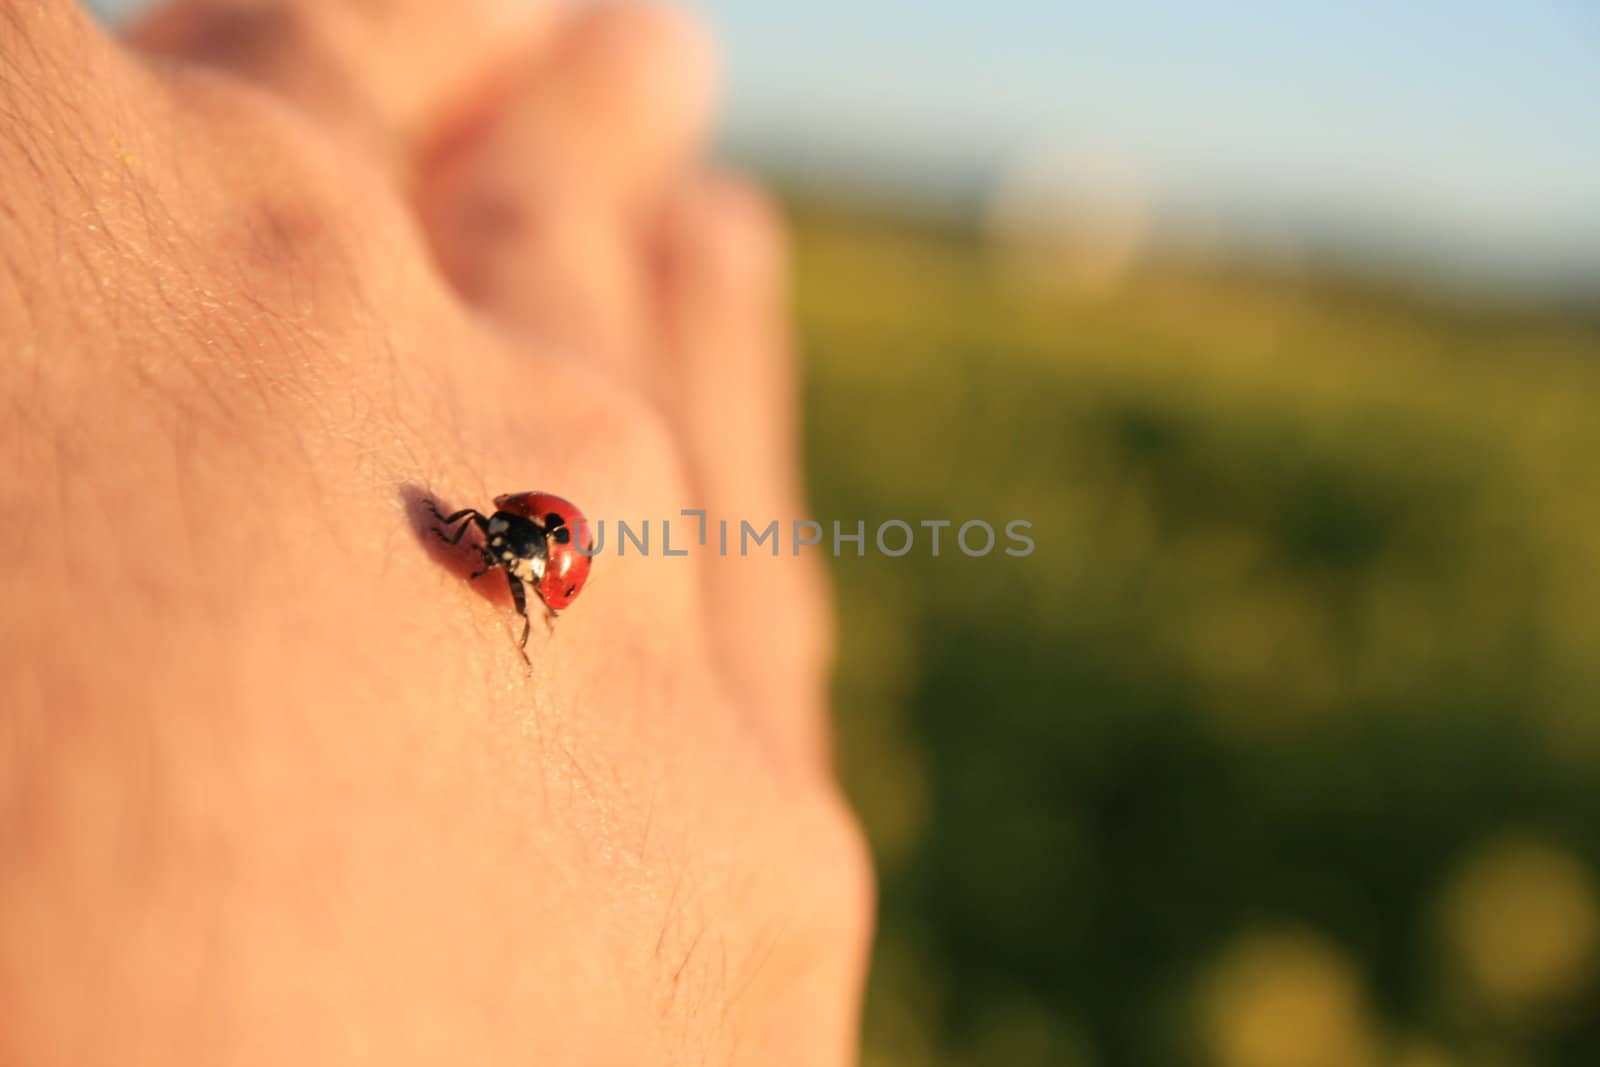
[{"x": 1282, "y": 748}]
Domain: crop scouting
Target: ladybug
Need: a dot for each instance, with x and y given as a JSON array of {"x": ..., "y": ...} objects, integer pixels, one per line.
[{"x": 530, "y": 537}]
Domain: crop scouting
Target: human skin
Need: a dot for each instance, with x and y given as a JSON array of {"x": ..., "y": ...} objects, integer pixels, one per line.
[{"x": 275, "y": 785}]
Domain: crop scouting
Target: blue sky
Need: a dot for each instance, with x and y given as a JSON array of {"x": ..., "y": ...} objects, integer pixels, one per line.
[{"x": 1453, "y": 133}]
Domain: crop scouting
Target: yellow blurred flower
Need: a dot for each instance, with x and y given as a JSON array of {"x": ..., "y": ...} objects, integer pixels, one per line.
[
  {"x": 1522, "y": 924},
  {"x": 1286, "y": 999},
  {"x": 1420, "y": 1053}
]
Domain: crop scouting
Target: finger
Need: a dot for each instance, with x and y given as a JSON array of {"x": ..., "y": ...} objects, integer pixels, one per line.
[
  {"x": 732, "y": 394},
  {"x": 385, "y": 73},
  {"x": 537, "y": 214}
]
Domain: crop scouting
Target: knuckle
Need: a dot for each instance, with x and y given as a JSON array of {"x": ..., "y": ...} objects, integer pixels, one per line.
[
  {"x": 299, "y": 284},
  {"x": 297, "y": 224},
  {"x": 243, "y": 38},
  {"x": 854, "y": 890},
  {"x": 301, "y": 256},
  {"x": 631, "y": 444},
  {"x": 750, "y": 223},
  {"x": 833, "y": 873}
]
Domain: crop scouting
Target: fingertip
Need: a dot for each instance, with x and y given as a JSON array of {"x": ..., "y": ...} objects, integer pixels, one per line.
[
  {"x": 538, "y": 210},
  {"x": 661, "y": 47},
  {"x": 628, "y": 97}
]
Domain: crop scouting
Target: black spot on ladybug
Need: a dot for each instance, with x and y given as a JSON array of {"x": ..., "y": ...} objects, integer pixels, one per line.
[
  {"x": 571, "y": 589},
  {"x": 554, "y": 521},
  {"x": 562, "y": 536}
]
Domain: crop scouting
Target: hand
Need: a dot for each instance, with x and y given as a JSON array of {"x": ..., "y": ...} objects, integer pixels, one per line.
[{"x": 275, "y": 784}]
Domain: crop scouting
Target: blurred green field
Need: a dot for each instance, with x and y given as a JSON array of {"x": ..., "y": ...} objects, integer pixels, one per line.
[{"x": 1283, "y": 748}]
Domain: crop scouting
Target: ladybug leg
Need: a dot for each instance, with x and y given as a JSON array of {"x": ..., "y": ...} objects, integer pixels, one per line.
[
  {"x": 519, "y": 597},
  {"x": 549, "y": 620},
  {"x": 489, "y": 564},
  {"x": 474, "y": 516}
]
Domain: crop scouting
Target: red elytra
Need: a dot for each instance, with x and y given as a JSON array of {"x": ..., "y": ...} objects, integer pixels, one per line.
[{"x": 566, "y": 569}]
